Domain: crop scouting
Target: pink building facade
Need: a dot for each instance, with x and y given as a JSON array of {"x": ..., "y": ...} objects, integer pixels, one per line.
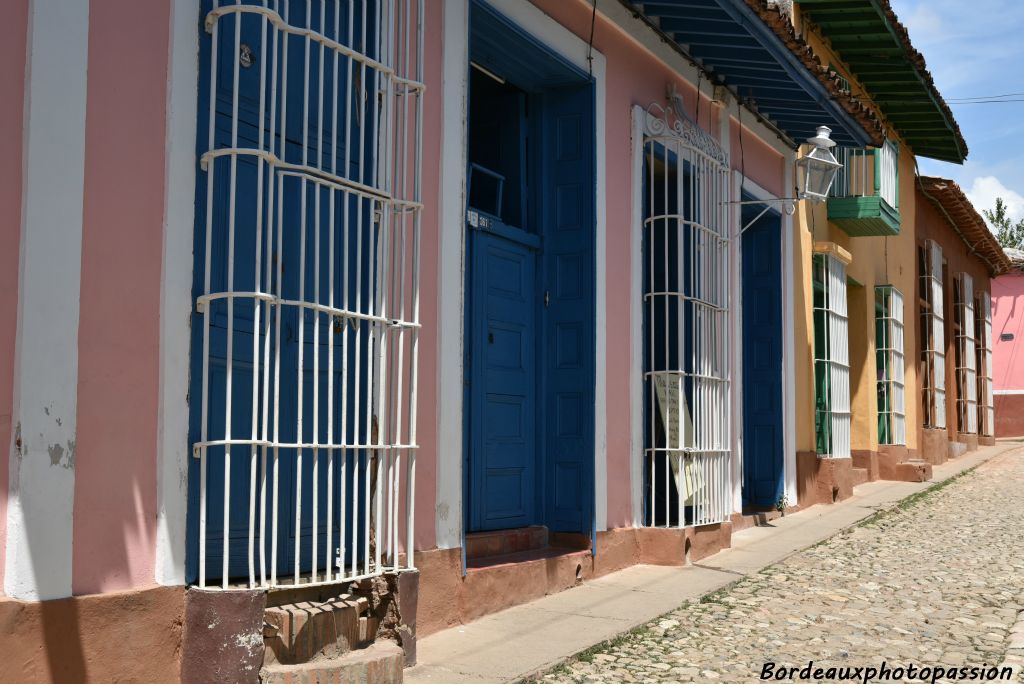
[
  {"x": 1007, "y": 331},
  {"x": 136, "y": 503}
]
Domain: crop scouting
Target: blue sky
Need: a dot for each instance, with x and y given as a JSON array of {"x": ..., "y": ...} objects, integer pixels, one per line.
[{"x": 976, "y": 48}]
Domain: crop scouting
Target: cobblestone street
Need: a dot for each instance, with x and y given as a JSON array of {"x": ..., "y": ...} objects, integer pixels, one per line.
[{"x": 937, "y": 581}]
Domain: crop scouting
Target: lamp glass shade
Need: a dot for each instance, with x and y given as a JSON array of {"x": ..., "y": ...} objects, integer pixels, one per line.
[{"x": 815, "y": 173}]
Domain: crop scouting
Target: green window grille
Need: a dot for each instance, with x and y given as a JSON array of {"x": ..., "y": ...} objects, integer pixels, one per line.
[{"x": 831, "y": 358}]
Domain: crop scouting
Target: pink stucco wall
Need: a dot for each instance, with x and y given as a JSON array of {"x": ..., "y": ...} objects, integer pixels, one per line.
[
  {"x": 1008, "y": 317},
  {"x": 754, "y": 158},
  {"x": 13, "y": 36},
  {"x": 119, "y": 325},
  {"x": 426, "y": 459}
]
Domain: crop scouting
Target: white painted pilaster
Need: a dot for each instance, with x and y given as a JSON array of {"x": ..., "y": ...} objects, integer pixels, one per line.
[
  {"x": 451, "y": 273},
  {"x": 636, "y": 321},
  {"x": 176, "y": 292},
  {"x": 42, "y": 455},
  {"x": 789, "y": 336}
]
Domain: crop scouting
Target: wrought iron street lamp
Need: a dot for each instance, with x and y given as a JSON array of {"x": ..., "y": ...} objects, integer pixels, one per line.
[{"x": 817, "y": 170}]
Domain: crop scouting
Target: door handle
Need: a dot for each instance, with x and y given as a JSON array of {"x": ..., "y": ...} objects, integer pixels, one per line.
[{"x": 490, "y": 337}]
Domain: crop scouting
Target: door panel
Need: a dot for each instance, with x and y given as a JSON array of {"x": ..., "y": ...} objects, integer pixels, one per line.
[
  {"x": 568, "y": 369},
  {"x": 503, "y": 441},
  {"x": 763, "y": 471}
]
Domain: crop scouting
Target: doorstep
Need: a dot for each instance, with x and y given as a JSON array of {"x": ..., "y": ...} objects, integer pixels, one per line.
[{"x": 532, "y": 637}]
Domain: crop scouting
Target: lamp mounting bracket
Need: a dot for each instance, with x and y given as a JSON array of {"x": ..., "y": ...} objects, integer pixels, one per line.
[{"x": 786, "y": 204}]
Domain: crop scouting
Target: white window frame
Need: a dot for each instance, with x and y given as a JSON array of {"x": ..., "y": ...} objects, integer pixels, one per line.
[
  {"x": 933, "y": 342},
  {"x": 966, "y": 367},
  {"x": 986, "y": 404},
  {"x": 891, "y": 367}
]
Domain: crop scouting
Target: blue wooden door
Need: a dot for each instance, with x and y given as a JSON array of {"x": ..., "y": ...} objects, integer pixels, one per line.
[
  {"x": 241, "y": 243},
  {"x": 530, "y": 293},
  {"x": 763, "y": 474},
  {"x": 567, "y": 182},
  {"x": 503, "y": 395}
]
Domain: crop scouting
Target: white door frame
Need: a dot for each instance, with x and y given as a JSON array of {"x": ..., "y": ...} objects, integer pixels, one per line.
[
  {"x": 745, "y": 185},
  {"x": 452, "y": 253}
]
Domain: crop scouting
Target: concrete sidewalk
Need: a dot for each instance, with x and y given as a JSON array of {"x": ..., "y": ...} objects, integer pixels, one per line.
[{"x": 530, "y": 638}]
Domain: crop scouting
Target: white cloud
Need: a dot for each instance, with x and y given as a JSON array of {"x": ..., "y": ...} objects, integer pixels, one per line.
[
  {"x": 986, "y": 189},
  {"x": 925, "y": 26}
]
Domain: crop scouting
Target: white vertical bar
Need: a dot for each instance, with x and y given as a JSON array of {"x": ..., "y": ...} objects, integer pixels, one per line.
[
  {"x": 232, "y": 201},
  {"x": 271, "y": 309},
  {"x": 650, "y": 387},
  {"x": 257, "y": 309},
  {"x": 275, "y": 508},
  {"x": 347, "y": 305},
  {"x": 317, "y": 187},
  {"x": 334, "y": 320},
  {"x": 316, "y": 368},
  {"x": 303, "y": 227},
  {"x": 329, "y": 557},
  {"x": 211, "y": 172}
]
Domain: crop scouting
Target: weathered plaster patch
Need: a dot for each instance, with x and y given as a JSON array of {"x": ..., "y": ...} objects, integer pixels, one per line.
[
  {"x": 252, "y": 644},
  {"x": 63, "y": 456},
  {"x": 56, "y": 454},
  {"x": 19, "y": 447}
]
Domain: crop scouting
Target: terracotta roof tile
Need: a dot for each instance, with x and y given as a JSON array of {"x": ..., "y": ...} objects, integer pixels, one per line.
[
  {"x": 911, "y": 57},
  {"x": 951, "y": 200}
]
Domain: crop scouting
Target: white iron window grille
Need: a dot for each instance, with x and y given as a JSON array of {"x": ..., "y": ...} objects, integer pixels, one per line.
[
  {"x": 986, "y": 406},
  {"x": 831, "y": 358},
  {"x": 892, "y": 420},
  {"x": 933, "y": 335},
  {"x": 966, "y": 370},
  {"x": 310, "y": 297},
  {"x": 686, "y": 323}
]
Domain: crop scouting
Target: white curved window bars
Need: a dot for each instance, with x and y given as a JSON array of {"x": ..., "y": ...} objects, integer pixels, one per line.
[
  {"x": 309, "y": 297},
  {"x": 686, "y": 324}
]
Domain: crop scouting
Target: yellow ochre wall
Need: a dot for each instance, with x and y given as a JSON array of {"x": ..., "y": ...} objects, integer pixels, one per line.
[{"x": 876, "y": 261}]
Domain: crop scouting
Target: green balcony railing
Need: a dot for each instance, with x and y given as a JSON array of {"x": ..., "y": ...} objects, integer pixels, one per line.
[{"x": 865, "y": 195}]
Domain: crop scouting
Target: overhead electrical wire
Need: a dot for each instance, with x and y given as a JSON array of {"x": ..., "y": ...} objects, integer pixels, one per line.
[
  {"x": 955, "y": 104},
  {"x": 983, "y": 97}
]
